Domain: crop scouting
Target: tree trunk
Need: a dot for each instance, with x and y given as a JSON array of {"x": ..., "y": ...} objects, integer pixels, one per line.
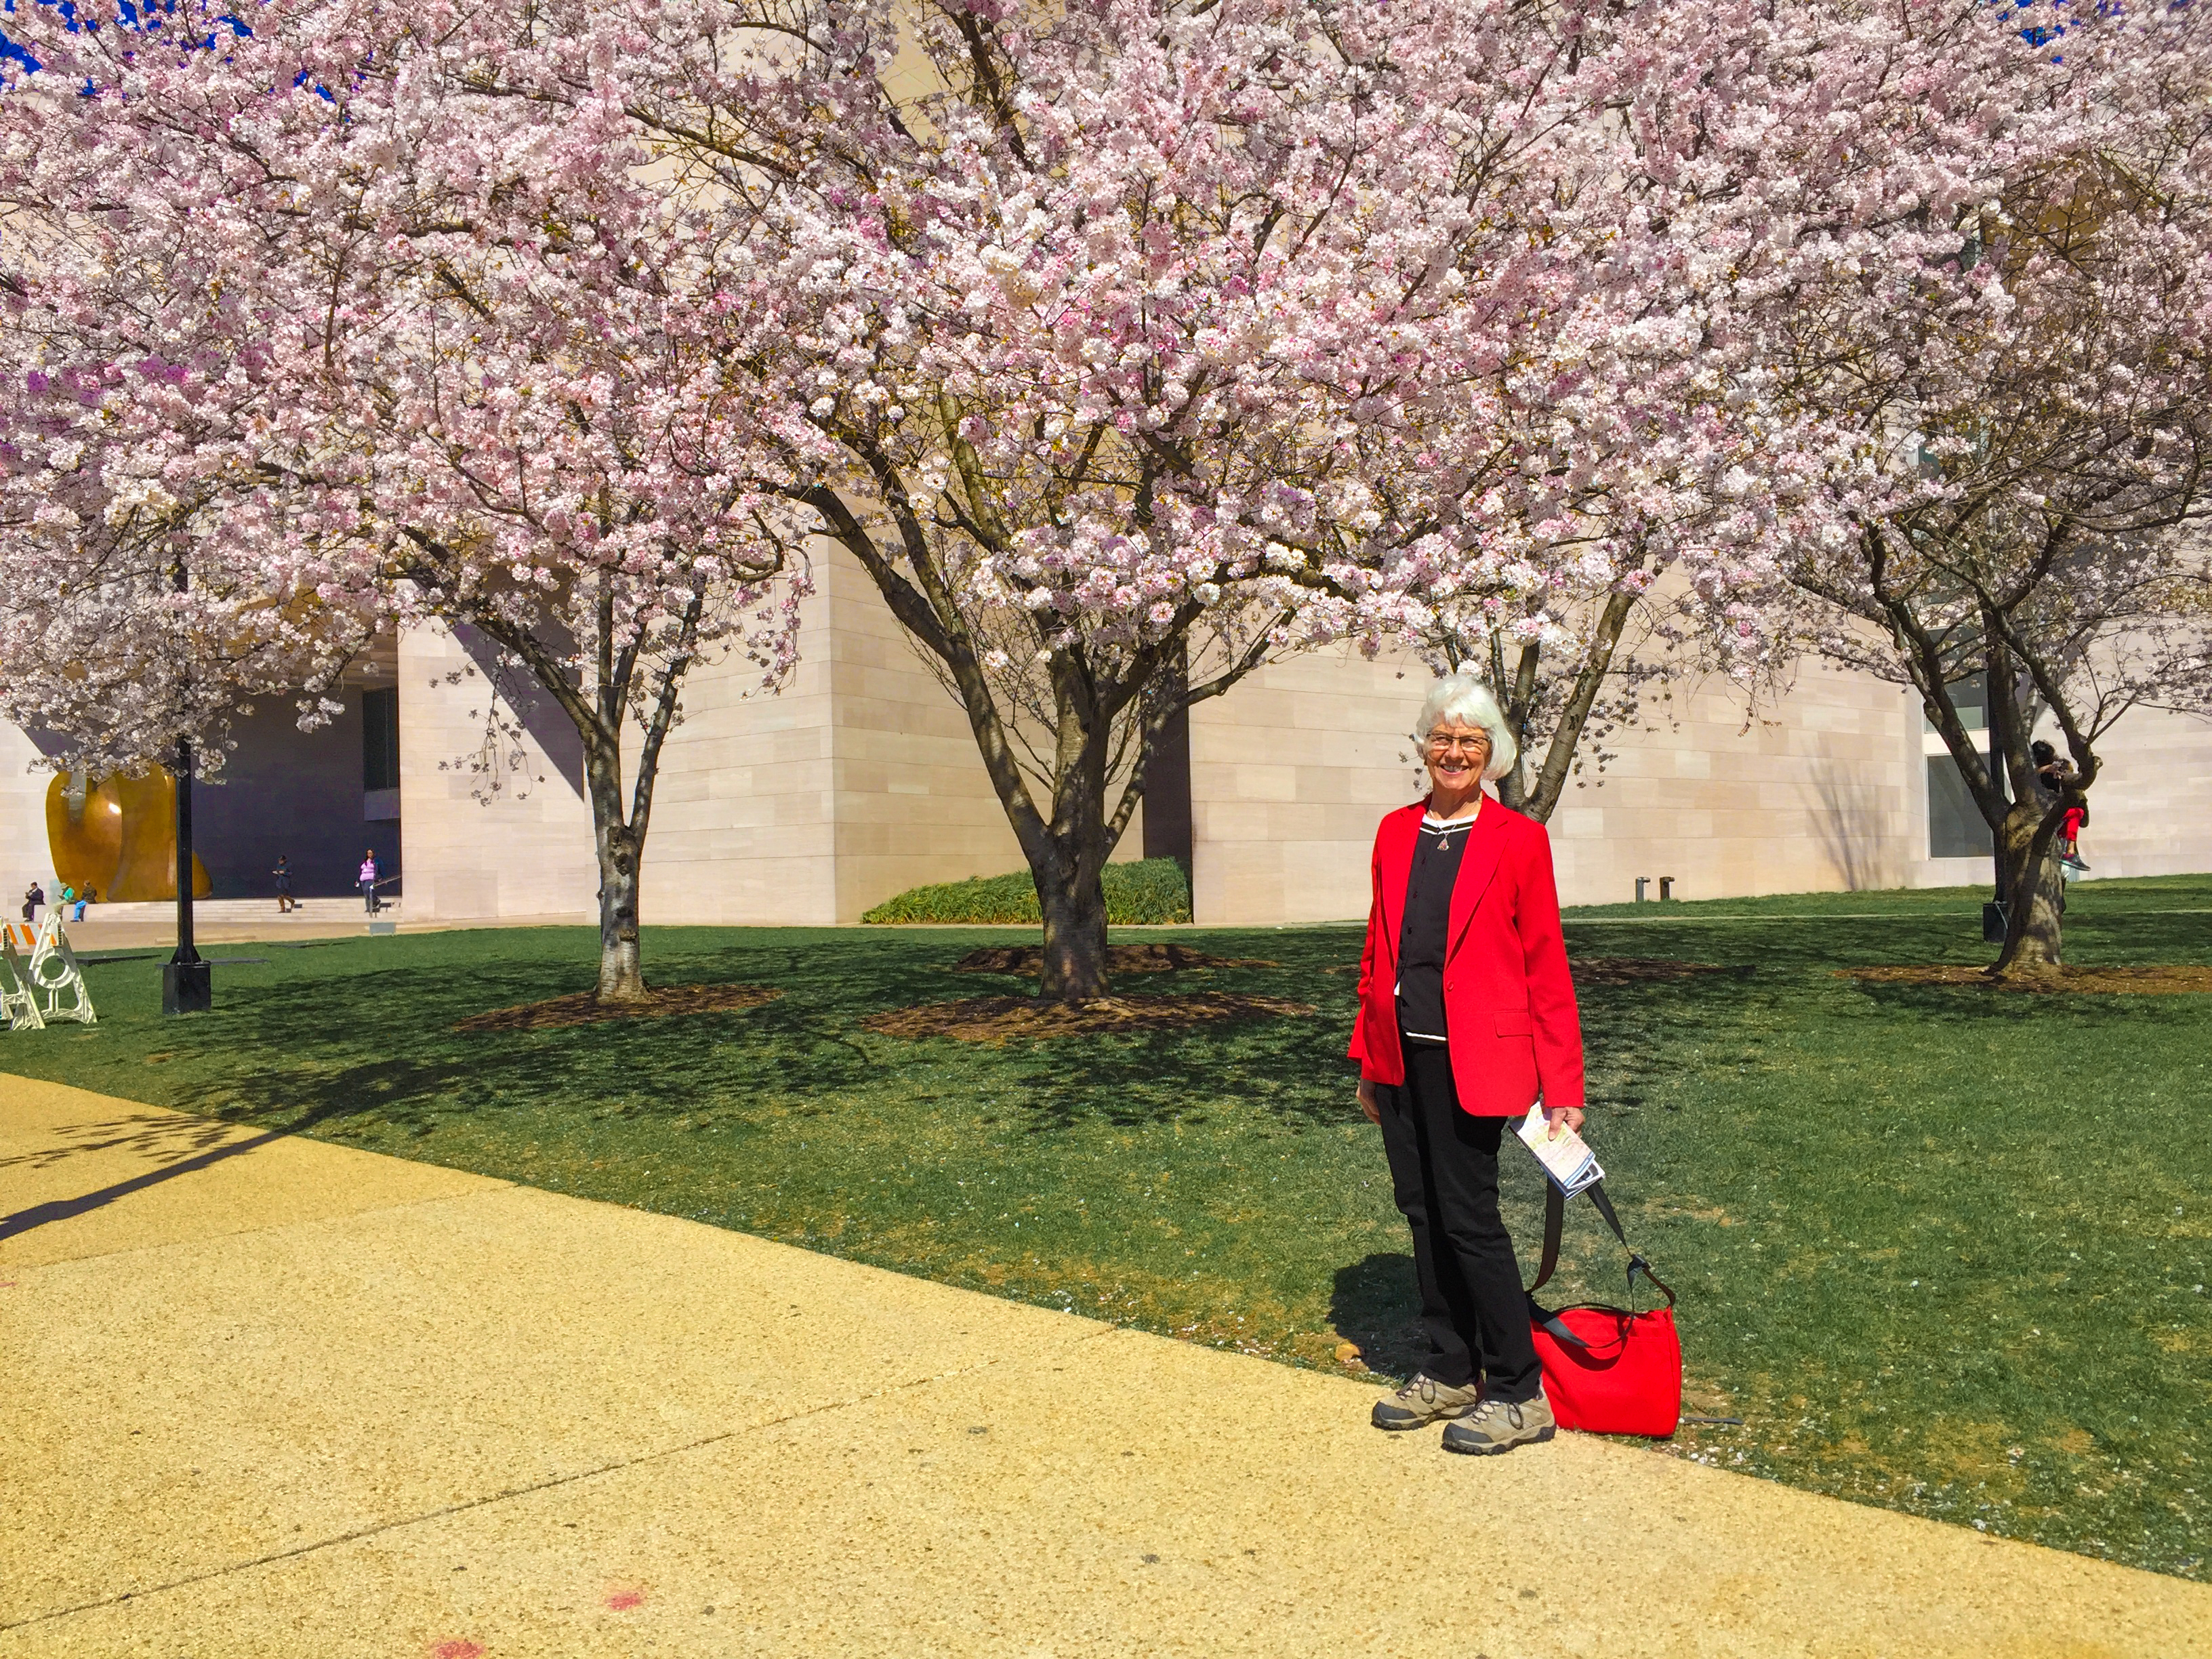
[
  {"x": 622, "y": 975},
  {"x": 1073, "y": 900},
  {"x": 1067, "y": 858},
  {"x": 1536, "y": 798},
  {"x": 2034, "y": 892}
]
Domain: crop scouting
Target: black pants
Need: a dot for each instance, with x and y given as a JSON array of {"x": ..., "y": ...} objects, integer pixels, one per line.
[{"x": 1444, "y": 1171}]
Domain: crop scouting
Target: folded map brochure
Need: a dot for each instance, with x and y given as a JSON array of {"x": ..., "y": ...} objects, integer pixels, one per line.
[{"x": 1566, "y": 1158}]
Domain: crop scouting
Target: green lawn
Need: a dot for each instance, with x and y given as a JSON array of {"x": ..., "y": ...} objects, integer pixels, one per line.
[{"x": 1914, "y": 1252}]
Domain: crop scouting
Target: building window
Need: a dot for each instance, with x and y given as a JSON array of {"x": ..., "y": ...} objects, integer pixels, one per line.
[
  {"x": 1971, "y": 698},
  {"x": 380, "y": 738},
  {"x": 1955, "y": 829}
]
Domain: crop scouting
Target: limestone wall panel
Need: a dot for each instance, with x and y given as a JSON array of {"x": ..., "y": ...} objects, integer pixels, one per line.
[
  {"x": 2151, "y": 810},
  {"x": 528, "y": 852},
  {"x": 1291, "y": 769},
  {"x": 23, "y": 785},
  {"x": 741, "y": 815},
  {"x": 914, "y": 803}
]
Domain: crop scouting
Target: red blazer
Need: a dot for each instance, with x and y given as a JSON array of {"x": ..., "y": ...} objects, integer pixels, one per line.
[{"x": 1509, "y": 1002}]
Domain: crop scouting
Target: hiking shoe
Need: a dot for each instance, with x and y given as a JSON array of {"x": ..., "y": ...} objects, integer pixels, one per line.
[
  {"x": 1499, "y": 1425},
  {"x": 1424, "y": 1400}
]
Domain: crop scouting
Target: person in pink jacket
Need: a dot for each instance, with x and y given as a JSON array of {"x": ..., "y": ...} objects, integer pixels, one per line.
[{"x": 1466, "y": 1017}]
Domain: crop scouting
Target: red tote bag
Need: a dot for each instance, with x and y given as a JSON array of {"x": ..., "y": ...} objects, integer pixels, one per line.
[{"x": 1606, "y": 1370}]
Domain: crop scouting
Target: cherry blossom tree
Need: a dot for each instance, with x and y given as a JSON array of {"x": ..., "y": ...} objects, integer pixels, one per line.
[
  {"x": 1059, "y": 288},
  {"x": 1123, "y": 344},
  {"x": 138, "y": 612},
  {"x": 2019, "y": 405},
  {"x": 1904, "y": 305},
  {"x": 473, "y": 343},
  {"x": 1128, "y": 342}
]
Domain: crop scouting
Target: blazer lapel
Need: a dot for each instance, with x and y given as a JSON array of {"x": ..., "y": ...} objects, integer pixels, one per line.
[
  {"x": 1486, "y": 843},
  {"x": 1395, "y": 867}
]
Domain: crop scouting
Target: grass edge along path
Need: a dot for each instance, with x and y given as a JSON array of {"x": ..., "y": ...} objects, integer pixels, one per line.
[{"x": 1912, "y": 1248}]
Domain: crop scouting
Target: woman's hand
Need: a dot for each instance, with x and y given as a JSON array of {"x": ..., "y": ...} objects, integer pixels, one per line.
[
  {"x": 1570, "y": 1116},
  {"x": 1367, "y": 1102}
]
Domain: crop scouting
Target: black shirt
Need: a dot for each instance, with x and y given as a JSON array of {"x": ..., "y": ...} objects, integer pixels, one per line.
[{"x": 1425, "y": 932}]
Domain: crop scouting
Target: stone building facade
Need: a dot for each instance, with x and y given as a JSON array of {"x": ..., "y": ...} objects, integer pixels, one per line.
[{"x": 861, "y": 778}]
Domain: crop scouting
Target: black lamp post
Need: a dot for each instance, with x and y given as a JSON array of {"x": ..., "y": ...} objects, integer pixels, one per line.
[{"x": 186, "y": 987}]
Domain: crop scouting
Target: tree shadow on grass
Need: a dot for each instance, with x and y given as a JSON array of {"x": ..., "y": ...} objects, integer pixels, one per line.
[
  {"x": 1291, "y": 1069},
  {"x": 1639, "y": 1036},
  {"x": 300, "y": 1099},
  {"x": 2050, "y": 1017},
  {"x": 374, "y": 1038},
  {"x": 2115, "y": 935},
  {"x": 2122, "y": 938},
  {"x": 315, "y": 1052},
  {"x": 1784, "y": 944}
]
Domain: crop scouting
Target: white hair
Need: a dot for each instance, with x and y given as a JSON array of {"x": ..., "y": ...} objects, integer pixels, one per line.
[{"x": 1464, "y": 700}]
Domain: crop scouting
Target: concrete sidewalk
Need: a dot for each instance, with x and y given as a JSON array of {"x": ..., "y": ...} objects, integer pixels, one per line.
[{"x": 269, "y": 1396}]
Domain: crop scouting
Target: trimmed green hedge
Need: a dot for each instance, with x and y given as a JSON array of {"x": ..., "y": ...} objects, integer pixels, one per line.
[{"x": 1151, "y": 890}]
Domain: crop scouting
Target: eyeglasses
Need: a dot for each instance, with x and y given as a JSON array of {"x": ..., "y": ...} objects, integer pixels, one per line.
[{"x": 1442, "y": 744}]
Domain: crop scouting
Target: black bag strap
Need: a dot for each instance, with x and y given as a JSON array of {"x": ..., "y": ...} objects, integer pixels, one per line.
[{"x": 1555, "y": 1220}]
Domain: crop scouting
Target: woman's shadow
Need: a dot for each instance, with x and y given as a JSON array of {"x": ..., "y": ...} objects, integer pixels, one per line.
[{"x": 1377, "y": 1305}]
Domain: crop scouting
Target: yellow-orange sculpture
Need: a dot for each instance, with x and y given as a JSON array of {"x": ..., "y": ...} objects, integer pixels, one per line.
[
  {"x": 116, "y": 836},
  {"x": 84, "y": 828}
]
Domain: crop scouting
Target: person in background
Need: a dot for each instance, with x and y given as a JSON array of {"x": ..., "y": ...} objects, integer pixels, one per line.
[
  {"x": 2070, "y": 837},
  {"x": 33, "y": 896},
  {"x": 368, "y": 879},
  {"x": 67, "y": 896},
  {"x": 2054, "y": 775},
  {"x": 283, "y": 874},
  {"x": 83, "y": 899},
  {"x": 1466, "y": 1017},
  {"x": 2050, "y": 770}
]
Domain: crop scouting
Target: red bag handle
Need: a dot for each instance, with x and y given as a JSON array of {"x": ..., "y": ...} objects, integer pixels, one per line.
[{"x": 1555, "y": 1216}]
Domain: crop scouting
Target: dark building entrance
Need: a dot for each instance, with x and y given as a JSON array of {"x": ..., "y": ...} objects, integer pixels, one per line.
[{"x": 319, "y": 797}]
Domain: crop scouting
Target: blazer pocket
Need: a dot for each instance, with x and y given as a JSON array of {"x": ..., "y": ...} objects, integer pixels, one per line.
[{"x": 1514, "y": 1021}]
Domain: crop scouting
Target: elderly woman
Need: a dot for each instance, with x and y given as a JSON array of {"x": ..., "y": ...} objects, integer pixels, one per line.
[{"x": 1467, "y": 1015}]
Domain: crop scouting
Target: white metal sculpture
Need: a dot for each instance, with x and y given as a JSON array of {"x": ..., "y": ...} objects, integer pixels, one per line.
[
  {"x": 18, "y": 1002},
  {"x": 56, "y": 970}
]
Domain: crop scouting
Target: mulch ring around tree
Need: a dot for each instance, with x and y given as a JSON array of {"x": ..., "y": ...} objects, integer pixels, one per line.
[
  {"x": 993, "y": 1020},
  {"x": 2152, "y": 981},
  {"x": 1120, "y": 959},
  {"x": 585, "y": 1008}
]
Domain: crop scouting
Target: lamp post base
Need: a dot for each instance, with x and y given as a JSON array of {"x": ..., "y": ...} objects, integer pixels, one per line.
[{"x": 187, "y": 988}]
